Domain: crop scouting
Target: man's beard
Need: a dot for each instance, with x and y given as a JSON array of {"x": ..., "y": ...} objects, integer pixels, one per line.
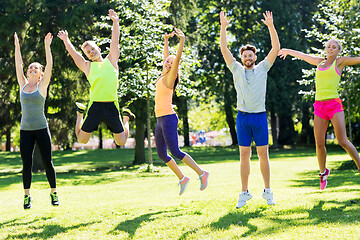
[{"x": 249, "y": 64}]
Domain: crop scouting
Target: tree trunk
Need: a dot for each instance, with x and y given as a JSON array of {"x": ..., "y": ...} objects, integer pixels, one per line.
[
  {"x": 274, "y": 129},
  {"x": 8, "y": 139},
  {"x": 229, "y": 115},
  {"x": 307, "y": 135},
  {"x": 181, "y": 103},
  {"x": 100, "y": 138},
  {"x": 148, "y": 123},
  {"x": 37, "y": 160},
  {"x": 185, "y": 121},
  {"x": 140, "y": 122},
  {"x": 286, "y": 130}
]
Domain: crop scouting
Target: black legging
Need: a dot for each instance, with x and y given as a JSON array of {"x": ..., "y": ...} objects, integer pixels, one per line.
[{"x": 27, "y": 142}]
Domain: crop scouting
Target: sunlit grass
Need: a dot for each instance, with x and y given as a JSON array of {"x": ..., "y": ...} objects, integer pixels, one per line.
[{"x": 103, "y": 197}]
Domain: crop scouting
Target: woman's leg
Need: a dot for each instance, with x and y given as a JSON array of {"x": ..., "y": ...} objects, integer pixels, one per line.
[
  {"x": 43, "y": 139},
  {"x": 320, "y": 127},
  {"x": 161, "y": 149},
  {"x": 338, "y": 121},
  {"x": 27, "y": 143},
  {"x": 172, "y": 141}
]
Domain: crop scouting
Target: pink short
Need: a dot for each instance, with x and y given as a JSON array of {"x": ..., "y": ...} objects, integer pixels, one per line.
[{"x": 327, "y": 109}]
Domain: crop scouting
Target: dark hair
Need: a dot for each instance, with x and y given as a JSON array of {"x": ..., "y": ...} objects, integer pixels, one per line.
[
  {"x": 248, "y": 47},
  {"x": 177, "y": 80}
]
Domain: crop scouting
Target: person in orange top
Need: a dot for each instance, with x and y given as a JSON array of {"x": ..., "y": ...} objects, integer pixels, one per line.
[{"x": 166, "y": 135}]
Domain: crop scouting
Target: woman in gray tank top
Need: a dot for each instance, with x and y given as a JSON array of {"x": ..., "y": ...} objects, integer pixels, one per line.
[{"x": 33, "y": 126}]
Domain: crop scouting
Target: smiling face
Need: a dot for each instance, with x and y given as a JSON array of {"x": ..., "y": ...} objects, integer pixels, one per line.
[
  {"x": 91, "y": 50},
  {"x": 332, "y": 48},
  {"x": 168, "y": 63},
  {"x": 35, "y": 71},
  {"x": 248, "y": 59}
]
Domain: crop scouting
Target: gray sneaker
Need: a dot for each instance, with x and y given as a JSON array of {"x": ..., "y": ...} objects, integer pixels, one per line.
[
  {"x": 244, "y": 196},
  {"x": 268, "y": 196},
  {"x": 183, "y": 184}
]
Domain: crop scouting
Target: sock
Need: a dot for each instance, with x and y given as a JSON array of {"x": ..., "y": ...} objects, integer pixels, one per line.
[
  {"x": 323, "y": 172},
  {"x": 182, "y": 179},
  {"x": 267, "y": 190},
  {"x": 247, "y": 191},
  {"x": 202, "y": 174}
]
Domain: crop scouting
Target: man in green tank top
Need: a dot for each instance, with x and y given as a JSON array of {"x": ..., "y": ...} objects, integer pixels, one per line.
[{"x": 102, "y": 74}]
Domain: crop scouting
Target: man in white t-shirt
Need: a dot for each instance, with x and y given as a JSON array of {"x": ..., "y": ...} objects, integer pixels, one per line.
[{"x": 251, "y": 122}]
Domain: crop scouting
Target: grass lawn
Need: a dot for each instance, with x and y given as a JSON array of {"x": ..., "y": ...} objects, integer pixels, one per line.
[{"x": 103, "y": 197}]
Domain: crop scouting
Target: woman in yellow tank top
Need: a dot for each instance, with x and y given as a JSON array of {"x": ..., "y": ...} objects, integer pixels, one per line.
[
  {"x": 102, "y": 74},
  {"x": 327, "y": 102},
  {"x": 166, "y": 135}
]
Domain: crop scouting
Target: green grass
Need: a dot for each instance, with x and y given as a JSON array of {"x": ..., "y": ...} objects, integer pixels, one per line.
[{"x": 103, "y": 197}]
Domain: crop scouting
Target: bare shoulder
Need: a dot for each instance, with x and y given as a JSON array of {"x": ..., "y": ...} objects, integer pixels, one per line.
[{"x": 113, "y": 61}]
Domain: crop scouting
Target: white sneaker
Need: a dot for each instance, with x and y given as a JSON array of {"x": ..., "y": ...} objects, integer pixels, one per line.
[
  {"x": 244, "y": 196},
  {"x": 268, "y": 196}
]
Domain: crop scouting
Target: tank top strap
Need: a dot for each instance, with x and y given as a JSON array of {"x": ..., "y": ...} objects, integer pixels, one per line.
[
  {"x": 24, "y": 87},
  {"x": 321, "y": 63}
]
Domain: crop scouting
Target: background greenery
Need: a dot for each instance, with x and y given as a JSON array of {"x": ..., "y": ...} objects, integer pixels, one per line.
[{"x": 206, "y": 86}]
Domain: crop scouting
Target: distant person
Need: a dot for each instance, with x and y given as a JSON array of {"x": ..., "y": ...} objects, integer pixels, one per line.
[
  {"x": 102, "y": 74},
  {"x": 327, "y": 104},
  {"x": 166, "y": 135},
  {"x": 251, "y": 121},
  {"x": 34, "y": 126}
]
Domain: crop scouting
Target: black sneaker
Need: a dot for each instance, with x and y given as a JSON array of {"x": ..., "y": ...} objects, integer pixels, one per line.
[
  {"x": 80, "y": 108},
  {"x": 54, "y": 199},
  {"x": 127, "y": 112},
  {"x": 27, "y": 201}
]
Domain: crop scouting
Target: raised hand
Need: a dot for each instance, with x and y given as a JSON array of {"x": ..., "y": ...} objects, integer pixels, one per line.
[
  {"x": 283, "y": 53},
  {"x": 63, "y": 35},
  {"x": 16, "y": 40},
  {"x": 48, "y": 39},
  {"x": 268, "y": 21},
  {"x": 223, "y": 19},
  {"x": 179, "y": 33},
  {"x": 169, "y": 35},
  {"x": 113, "y": 16}
]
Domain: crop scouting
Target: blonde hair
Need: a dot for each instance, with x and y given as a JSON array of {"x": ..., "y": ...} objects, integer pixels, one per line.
[
  {"x": 335, "y": 40},
  {"x": 41, "y": 69},
  {"x": 85, "y": 44}
]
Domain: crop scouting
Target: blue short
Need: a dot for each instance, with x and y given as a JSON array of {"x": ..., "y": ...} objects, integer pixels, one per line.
[{"x": 252, "y": 126}]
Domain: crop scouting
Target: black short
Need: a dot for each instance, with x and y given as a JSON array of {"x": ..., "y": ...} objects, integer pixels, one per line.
[{"x": 103, "y": 112}]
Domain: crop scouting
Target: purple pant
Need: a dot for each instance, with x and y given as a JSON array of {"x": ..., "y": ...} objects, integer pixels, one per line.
[{"x": 166, "y": 135}]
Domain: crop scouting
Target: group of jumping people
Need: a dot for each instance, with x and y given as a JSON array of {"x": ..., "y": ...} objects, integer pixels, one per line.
[{"x": 250, "y": 83}]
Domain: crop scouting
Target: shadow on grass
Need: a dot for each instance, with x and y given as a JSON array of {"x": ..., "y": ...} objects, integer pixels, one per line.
[
  {"x": 42, "y": 231},
  {"x": 336, "y": 179},
  {"x": 78, "y": 177},
  {"x": 130, "y": 226},
  {"x": 339, "y": 213},
  {"x": 99, "y": 161}
]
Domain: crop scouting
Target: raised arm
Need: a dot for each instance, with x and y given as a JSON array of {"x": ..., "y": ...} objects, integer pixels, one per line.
[
  {"x": 166, "y": 44},
  {"x": 347, "y": 61},
  {"x": 44, "y": 83},
  {"x": 306, "y": 57},
  {"x": 170, "y": 78},
  {"x": 275, "y": 44},
  {"x": 115, "y": 36},
  {"x": 80, "y": 62},
  {"x": 228, "y": 57},
  {"x": 19, "y": 63}
]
